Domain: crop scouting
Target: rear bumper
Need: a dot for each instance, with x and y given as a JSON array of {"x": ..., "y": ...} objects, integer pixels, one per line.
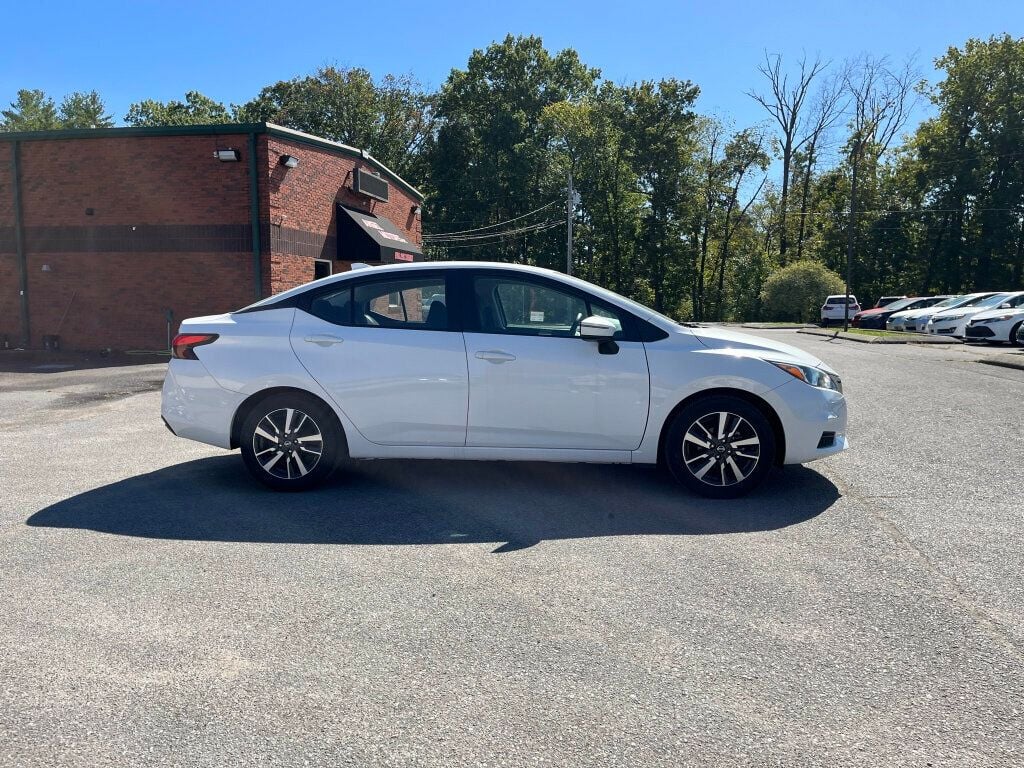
[{"x": 194, "y": 406}]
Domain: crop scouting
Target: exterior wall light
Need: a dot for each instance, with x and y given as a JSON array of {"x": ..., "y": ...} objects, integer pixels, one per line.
[
  {"x": 227, "y": 155},
  {"x": 417, "y": 210},
  {"x": 289, "y": 161}
]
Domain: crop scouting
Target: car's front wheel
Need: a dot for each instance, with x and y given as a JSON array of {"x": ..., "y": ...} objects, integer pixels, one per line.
[
  {"x": 291, "y": 441},
  {"x": 720, "y": 446},
  {"x": 1014, "y": 338}
]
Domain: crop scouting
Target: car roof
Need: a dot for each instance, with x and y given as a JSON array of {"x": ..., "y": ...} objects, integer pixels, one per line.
[{"x": 366, "y": 270}]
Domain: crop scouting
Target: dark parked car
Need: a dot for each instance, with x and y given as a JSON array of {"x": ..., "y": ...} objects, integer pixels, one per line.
[
  {"x": 875, "y": 318},
  {"x": 887, "y": 300}
]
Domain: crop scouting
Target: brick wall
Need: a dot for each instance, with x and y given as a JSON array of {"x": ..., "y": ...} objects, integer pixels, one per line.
[
  {"x": 10, "y": 308},
  {"x": 127, "y": 228},
  {"x": 302, "y": 208},
  {"x": 131, "y": 226}
]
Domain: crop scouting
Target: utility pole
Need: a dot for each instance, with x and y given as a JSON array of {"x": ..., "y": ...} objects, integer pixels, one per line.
[
  {"x": 851, "y": 233},
  {"x": 568, "y": 225}
]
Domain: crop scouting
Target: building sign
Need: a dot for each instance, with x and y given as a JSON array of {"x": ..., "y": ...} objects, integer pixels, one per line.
[{"x": 399, "y": 256}]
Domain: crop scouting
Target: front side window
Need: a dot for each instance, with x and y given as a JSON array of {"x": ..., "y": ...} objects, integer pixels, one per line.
[{"x": 527, "y": 308}]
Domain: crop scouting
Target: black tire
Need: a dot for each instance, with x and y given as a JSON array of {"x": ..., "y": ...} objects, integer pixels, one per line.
[
  {"x": 291, "y": 441},
  {"x": 1013, "y": 335},
  {"x": 715, "y": 466}
]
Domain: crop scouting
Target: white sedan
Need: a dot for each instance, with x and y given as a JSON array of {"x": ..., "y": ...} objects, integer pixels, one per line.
[
  {"x": 510, "y": 362},
  {"x": 999, "y": 324},
  {"x": 953, "y": 322},
  {"x": 917, "y": 319}
]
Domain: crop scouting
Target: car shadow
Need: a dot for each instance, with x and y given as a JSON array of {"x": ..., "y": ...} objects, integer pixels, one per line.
[{"x": 431, "y": 502}]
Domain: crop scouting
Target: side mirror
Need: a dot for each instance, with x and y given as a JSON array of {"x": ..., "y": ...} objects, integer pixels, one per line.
[{"x": 596, "y": 328}]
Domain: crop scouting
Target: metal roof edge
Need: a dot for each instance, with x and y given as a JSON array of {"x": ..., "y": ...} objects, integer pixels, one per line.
[{"x": 307, "y": 138}]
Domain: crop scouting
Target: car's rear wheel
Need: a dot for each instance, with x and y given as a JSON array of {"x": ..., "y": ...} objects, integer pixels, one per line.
[
  {"x": 720, "y": 446},
  {"x": 291, "y": 441}
]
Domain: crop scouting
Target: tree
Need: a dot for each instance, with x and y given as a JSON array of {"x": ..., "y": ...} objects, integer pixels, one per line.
[
  {"x": 33, "y": 110},
  {"x": 796, "y": 291},
  {"x": 490, "y": 159},
  {"x": 786, "y": 105},
  {"x": 197, "y": 109},
  {"x": 84, "y": 110},
  {"x": 880, "y": 99},
  {"x": 391, "y": 119}
]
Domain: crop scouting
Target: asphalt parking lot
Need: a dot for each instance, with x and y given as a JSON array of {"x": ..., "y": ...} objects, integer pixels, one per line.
[{"x": 160, "y": 609}]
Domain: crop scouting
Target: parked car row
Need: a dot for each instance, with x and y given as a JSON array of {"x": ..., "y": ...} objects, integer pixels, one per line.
[
  {"x": 991, "y": 316},
  {"x": 986, "y": 316}
]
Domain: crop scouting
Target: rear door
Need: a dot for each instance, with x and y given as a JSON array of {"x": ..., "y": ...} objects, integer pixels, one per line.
[
  {"x": 534, "y": 383},
  {"x": 385, "y": 350}
]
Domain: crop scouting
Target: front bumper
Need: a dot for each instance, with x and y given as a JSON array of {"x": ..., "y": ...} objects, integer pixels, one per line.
[
  {"x": 979, "y": 332},
  {"x": 807, "y": 413}
]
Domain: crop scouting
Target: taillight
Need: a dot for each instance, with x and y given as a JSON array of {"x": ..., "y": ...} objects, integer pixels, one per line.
[{"x": 184, "y": 344}]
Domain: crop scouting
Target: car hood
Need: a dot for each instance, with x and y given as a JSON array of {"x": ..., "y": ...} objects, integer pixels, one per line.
[
  {"x": 968, "y": 311},
  {"x": 873, "y": 311},
  {"x": 999, "y": 313},
  {"x": 755, "y": 346},
  {"x": 919, "y": 312}
]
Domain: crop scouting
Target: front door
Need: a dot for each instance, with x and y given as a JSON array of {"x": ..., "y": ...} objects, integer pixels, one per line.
[
  {"x": 383, "y": 351},
  {"x": 533, "y": 383}
]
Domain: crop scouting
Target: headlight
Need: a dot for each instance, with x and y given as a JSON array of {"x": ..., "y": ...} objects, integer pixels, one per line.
[
  {"x": 997, "y": 319},
  {"x": 813, "y": 376},
  {"x": 948, "y": 318}
]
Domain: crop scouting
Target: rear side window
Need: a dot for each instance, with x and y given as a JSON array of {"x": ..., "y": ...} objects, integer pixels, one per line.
[
  {"x": 418, "y": 303},
  {"x": 415, "y": 303}
]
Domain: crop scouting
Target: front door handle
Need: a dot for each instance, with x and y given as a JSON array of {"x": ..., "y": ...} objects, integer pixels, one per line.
[
  {"x": 324, "y": 339},
  {"x": 495, "y": 356}
]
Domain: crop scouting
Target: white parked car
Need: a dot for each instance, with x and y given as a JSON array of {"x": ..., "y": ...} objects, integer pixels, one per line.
[
  {"x": 516, "y": 363},
  {"x": 915, "y": 320},
  {"x": 953, "y": 322},
  {"x": 832, "y": 310},
  {"x": 999, "y": 324}
]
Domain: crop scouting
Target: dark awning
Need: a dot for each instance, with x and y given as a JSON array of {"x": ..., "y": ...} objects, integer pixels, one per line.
[{"x": 365, "y": 237}]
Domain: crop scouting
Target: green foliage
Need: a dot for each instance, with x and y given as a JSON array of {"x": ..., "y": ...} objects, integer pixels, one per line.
[
  {"x": 197, "y": 109},
  {"x": 391, "y": 119},
  {"x": 35, "y": 111},
  {"x": 796, "y": 291},
  {"x": 84, "y": 110},
  {"x": 31, "y": 111}
]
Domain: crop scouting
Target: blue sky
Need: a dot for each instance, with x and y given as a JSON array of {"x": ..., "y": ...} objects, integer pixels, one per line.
[{"x": 134, "y": 50}]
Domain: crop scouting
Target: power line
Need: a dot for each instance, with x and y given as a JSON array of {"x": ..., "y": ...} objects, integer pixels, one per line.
[
  {"x": 489, "y": 235},
  {"x": 489, "y": 226},
  {"x": 497, "y": 237}
]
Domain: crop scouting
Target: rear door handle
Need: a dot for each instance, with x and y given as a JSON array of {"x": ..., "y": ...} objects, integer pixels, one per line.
[
  {"x": 495, "y": 356},
  {"x": 324, "y": 339}
]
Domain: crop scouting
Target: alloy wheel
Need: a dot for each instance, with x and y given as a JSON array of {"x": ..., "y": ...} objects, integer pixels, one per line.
[
  {"x": 287, "y": 443},
  {"x": 721, "y": 449}
]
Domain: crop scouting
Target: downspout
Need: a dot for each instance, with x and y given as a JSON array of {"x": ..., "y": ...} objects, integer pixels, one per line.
[
  {"x": 19, "y": 242},
  {"x": 254, "y": 217}
]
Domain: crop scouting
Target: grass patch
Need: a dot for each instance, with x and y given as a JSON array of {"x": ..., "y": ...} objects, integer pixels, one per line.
[{"x": 884, "y": 334}]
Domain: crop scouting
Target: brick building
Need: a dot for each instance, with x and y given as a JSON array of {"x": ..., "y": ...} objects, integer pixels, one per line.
[{"x": 109, "y": 237}]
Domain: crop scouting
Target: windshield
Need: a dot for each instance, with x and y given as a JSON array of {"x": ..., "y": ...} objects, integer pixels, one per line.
[
  {"x": 975, "y": 300},
  {"x": 952, "y": 301},
  {"x": 992, "y": 301},
  {"x": 896, "y": 306}
]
